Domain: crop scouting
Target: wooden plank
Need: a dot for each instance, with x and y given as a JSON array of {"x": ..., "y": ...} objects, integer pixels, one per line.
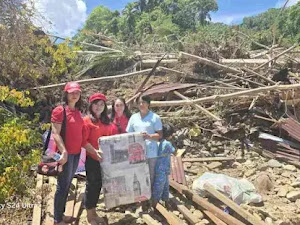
[
  {"x": 79, "y": 200},
  {"x": 174, "y": 174},
  {"x": 50, "y": 202},
  {"x": 178, "y": 174},
  {"x": 181, "y": 170},
  {"x": 184, "y": 211},
  {"x": 71, "y": 199},
  {"x": 230, "y": 220},
  {"x": 169, "y": 216},
  {"x": 149, "y": 220},
  {"x": 245, "y": 214},
  {"x": 215, "y": 219},
  {"x": 211, "y": 159},
  {"x": 37, "y": 210}
]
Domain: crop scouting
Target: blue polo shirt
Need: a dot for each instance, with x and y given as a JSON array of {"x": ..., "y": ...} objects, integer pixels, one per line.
[{"x": 151, "y": 123}]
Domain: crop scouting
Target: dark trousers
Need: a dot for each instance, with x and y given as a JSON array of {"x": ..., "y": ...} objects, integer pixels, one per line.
[
  {"x": 64, "y": 180},
  {"x": 93, "y": 182}
]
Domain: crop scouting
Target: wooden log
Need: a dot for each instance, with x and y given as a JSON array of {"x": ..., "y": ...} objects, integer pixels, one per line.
[
  {"x": 169, "y": 216},
  {"x": 149, "y": 220},
  {"x": 50, "y": 202},
  {"x": 243, "y": 61},
  {"x": 243, "y": 213},
  {"x": 37, "y": 209},
  {"x": 211, "y": 159},
  {"x": 78, "y": 204},
  {"x": 184, "y": 211},
  {"x": 205, "y": 204},
  {"x": 106, "y": 78},
  {"x": 246, "y": 93},
  {"x": 202, "y": 109}
]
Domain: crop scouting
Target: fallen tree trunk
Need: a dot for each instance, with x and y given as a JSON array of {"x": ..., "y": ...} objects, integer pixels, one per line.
[
  {"x": 247, "y": 93},
  {"x": 221, "y": 67}
]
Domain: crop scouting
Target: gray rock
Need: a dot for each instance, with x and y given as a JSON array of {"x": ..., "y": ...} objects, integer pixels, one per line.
[
  {"x": 290, "y": 168},
  {"x": 214, "y": 165},
  {"x": 176, "y": 213},
  {"x": 198, "y": 214},
  {"x": 269, "y": 221},
  {"x": 274, "y": 163},
  {"x": 296, "y": 184},
  {"x": 250, "y": 172},
  {"x": 293, "y": 195},
  {"x": 298, "y": 203},
  {"x": 283, "y": 191}
]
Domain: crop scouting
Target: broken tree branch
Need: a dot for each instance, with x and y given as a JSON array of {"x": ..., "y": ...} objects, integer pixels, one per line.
[
  {"x": 277, "y": 56},
  {"x": 203, "y": 110}
]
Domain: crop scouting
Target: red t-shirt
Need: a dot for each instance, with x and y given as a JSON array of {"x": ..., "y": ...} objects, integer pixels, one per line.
[
  {"x": 74, "y": 127},
  {"x": 92, "y": 131},
  {"x": 123, "y": 121}
]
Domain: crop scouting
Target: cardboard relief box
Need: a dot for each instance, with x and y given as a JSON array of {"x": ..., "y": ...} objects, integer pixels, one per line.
[{"x": 125, "y": 171}]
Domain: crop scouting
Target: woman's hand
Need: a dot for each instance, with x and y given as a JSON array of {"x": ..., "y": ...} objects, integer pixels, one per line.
[
  {"x": 63, "y": 158},
  {"x": 98, "y": 155},
  {"x": 146, "y": 135}
]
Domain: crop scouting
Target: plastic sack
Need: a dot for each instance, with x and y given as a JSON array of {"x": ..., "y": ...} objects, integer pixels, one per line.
[{"x": 240, "y": 191}]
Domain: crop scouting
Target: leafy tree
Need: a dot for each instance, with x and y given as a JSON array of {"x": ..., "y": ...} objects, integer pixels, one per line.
[{"x": 102, "y": 20}]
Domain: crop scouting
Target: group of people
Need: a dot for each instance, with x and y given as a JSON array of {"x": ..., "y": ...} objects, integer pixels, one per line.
[{"x": 85, "y": 132}]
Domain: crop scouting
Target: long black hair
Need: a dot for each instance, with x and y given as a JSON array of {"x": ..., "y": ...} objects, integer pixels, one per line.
[
  {"x": 103, "y": 116},
  {"x": 78, "y": 104},
  {"x": 126, "y": 110}
]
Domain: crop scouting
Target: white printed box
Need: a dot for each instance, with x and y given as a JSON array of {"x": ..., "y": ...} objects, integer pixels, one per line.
[{"x": 125, "y": 171}]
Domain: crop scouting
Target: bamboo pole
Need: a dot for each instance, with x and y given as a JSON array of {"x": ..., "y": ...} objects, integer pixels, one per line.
[
  {"x": 247, "y": 93},
  {"x": 87, "y": 44},
  {"x": 106, "y": 78}
]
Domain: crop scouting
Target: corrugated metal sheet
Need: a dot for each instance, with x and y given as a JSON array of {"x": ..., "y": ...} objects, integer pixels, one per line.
[
  {"x": 177, "y": 171},
  {"x": 166, "y": 87},
  {"x": 291, "y": 126}
]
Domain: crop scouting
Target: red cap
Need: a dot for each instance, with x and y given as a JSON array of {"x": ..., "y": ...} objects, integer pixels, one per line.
[
  {"x": 97, "y": 96},
  {"x": 72, "y": 86}
]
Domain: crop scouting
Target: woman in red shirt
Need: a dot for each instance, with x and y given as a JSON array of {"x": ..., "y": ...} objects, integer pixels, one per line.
[
  {"x": 68, "y": 144},
  {"x": 96, "y": 124},
  {"x": 119, "y": 116}
]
